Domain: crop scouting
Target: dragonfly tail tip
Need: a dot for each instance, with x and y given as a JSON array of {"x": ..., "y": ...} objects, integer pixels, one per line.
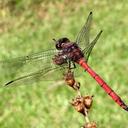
[{"x": 126, "y": 108}]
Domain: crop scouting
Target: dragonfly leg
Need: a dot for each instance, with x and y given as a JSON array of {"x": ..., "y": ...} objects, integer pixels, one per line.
[
  {"x": 74, "y": 65},
  {"x": 71, "y": 64}
]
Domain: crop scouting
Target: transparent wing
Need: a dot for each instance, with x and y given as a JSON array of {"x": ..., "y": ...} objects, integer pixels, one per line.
[
  {"x": 83, "y": 36},
  {"x": 40, "y": 75},
  {"x": 26, "y": 66},
  {"x": 11, "y": 66},
  {"x": 90, "y": 46}
]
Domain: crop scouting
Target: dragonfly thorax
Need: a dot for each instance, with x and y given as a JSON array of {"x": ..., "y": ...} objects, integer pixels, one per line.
[
  {"x": 73, "y": 52},
  {"x": 68, "y": 51}
]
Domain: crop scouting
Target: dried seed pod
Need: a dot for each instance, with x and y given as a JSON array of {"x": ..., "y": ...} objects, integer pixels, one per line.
[
  {"x": 82, "y": 104},
  {"x": 88, "y": 100},
  {"x": 90, "y": 125},
  {"x": 78, "y": 104},
  {"x": 70, "y": 80}
]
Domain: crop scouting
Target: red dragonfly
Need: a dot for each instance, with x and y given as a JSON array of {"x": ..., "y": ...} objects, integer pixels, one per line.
[{"x": 66, "y": 56}]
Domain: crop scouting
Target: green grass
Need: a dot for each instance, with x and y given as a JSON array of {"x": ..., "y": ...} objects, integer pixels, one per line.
[{"x": 27, "y": 27}]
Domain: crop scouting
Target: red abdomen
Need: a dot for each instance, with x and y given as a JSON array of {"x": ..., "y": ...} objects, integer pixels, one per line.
[{"x": 103, "y": 84}]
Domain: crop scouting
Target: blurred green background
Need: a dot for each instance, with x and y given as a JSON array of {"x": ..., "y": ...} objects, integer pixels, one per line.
[{"x": 29, "y": 25}]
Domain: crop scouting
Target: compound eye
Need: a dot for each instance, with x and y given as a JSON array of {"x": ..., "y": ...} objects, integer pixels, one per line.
[
  {"x": 58, "y": 46},
  {"x": 62, "y": 44}
]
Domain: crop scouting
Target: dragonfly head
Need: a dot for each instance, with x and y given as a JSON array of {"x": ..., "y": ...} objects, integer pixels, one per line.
[{"x": 60, "y": 42}]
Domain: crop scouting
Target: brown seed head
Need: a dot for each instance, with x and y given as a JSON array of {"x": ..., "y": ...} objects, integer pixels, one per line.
[{"x": 90, "y": 125}]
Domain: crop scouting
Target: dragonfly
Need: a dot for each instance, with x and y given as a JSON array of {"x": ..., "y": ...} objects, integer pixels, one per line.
[{"x": 66, "y": 55}]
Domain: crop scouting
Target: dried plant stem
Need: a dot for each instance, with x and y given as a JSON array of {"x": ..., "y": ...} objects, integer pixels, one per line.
[
  {"x": 86, "y": 117},
  {"x": 82, "y": 104}
]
